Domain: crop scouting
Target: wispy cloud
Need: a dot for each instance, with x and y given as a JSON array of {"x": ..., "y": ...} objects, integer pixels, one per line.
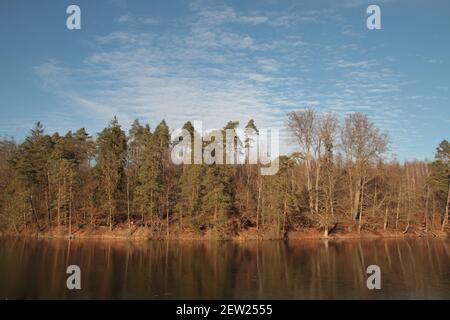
[
  {"x": 355, "y": 64},
  {"x": 218, "y": 68},
  {"x": 436, "y": 61},
  {"x": 132, "y": 19}
]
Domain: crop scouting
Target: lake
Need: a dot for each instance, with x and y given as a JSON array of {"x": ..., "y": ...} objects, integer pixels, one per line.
[{"x": 310, "y": 269}]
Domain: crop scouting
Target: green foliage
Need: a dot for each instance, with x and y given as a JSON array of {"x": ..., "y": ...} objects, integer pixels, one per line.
[
  {"x": 439, "y": 178},
  {"x": 216, "y": 199},
  {"x": 31, "y": 158},
  {"x": 443, "y": 152},
  {"x": 72, "y": 181},
  {"x": 150, "y": 188},
  {"x": 112, "y": 147}
]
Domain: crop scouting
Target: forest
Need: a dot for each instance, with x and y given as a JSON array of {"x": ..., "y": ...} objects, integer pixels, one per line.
[{"x": 339, "y": 180}]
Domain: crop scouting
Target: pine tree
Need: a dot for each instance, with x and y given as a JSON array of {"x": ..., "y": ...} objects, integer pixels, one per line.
[
  {"x": 31, "y": 164},
  {"x": 439, "y": 179},
  {"x": 251, "y": 173},
  {"x": 443, "y": 152},
  {"x": 112, "y": 146},
  {"x": 49, "y": 181},
  {"x": 150, "y": 189},
  {"x": 189, "y": 196},
  {"x": 138, "y": 135},
  {"x": 162, "y": 165},
  {"x": 216, "y": 200},
  {"x": 13, "y": 198}
]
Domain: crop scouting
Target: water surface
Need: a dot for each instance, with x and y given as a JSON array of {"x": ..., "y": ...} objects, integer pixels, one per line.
[{"x": 411, "y": 269}]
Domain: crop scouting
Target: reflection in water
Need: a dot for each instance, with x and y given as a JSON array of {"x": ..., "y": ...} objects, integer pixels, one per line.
[{"x": 224, "y": 270}]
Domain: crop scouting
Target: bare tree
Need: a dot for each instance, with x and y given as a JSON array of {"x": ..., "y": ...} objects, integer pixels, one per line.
[
  {"x": 303, "y": 125},
  {"x": 327, "y": 130},
  {"x": 363, "y": 145}
]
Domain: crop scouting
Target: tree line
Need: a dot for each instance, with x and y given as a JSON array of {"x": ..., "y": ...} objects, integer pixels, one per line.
[{"x": 338, "y": 179}]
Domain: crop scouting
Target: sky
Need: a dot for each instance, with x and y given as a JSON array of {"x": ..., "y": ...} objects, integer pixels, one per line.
[{"x": 216, "y": 61}]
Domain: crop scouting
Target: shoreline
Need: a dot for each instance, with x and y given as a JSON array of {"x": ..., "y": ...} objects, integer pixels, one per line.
[{"x": 143, "y": 234}]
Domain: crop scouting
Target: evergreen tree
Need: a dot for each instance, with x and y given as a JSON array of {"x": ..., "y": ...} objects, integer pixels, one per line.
[
  {"x": 112, "y": 146},
  {"x": 31, "y": 163},
  {"x": 150, "y": 189},
  {"x": 138, "y": 135},
  {"x": 162, "y": 165},
  {"x": 189, "y": 196},
  {"x": 13, "y": 198},
  {"x": 216, "y": 200},
  {"x": 59, "y": 180},
  {"x": 439, "y": 179}
]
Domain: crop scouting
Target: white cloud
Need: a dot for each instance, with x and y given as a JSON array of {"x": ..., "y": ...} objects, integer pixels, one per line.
[
  {"x": 436, "y": 61},
  {"x": 350, "y": 33},
  {"x": 259, "y": 77},
  {"x": 268, "y": 64},
  {"x": 130, "y": 18},
  {"x": 354, "y": 64},
  {"x": 255, "y": 20},
  {"x": 215, "y": 73}
]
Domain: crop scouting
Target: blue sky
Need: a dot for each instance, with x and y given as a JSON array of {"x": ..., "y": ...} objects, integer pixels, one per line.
[{"x": 218, "y": 61}]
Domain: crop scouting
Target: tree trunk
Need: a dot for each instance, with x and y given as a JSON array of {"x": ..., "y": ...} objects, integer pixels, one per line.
[
  {"x": 257, "y": 206},
  {"x": 426, "y": 211},
  {"x": 331, "y": 193},
  {"x": 25, "y": 219},
  {"x": 433, "y": 218},
  {"x": 48, "y": 200},
  {"x": 361, "y": 209},
  {"x": 215, "y": 216},
  {"x": 167, "y": 213},
  {"x": 15, "y": 229},
  {"x": 309, "y": 183},
  {"x": 445, "y": 220},
  {"x": 374, "y": 201},
  {"x": 284, "y": 218},
  {"x": 325, "y": 231},
  {"x": 64, "y": 194},
  {"x": 398, "y": 208},
  {"x": 356, "y": 204},
  {"x": 128, "y": 205},
  {"x": 316, "y": 203},
  {"x": 356, "y": 200},
  {"x": 59, "y": 203},
  {"x": 247, "y": 197},
  {"x": 151, "y": 209},
  {"x": 33, "y": 211},
  {"x": 110, "y": 211},
  {"x": 70, "y": 209},
  {"x": 386, "y": 213}
]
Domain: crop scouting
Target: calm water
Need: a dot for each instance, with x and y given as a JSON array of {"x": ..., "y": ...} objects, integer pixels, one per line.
[{"x": 413, "y": 269}]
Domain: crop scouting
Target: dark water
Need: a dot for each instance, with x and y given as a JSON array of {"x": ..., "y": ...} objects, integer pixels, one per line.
[{"x": 412, "y": 269}]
